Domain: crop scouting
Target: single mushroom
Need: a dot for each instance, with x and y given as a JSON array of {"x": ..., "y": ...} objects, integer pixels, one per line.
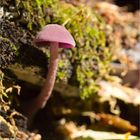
[{"x": 56, "y": 36}]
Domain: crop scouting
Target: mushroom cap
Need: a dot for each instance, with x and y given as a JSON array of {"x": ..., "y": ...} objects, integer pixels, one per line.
[{"x": 55, "y": 33}]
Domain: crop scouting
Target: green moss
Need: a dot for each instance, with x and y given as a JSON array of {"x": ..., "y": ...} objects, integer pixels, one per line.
[
  {"x": 35, "y": 12},
  {"x": 7, "y": 51}
]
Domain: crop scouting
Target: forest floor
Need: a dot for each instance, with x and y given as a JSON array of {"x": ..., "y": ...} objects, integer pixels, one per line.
[{"x": 115, "y": 115}]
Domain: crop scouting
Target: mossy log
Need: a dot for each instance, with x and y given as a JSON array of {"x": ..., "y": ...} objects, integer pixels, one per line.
[{"x": 82, "y": 66}]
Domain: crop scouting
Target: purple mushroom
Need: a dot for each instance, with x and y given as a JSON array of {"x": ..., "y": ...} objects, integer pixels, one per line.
[{"x": 55, "y": 36}]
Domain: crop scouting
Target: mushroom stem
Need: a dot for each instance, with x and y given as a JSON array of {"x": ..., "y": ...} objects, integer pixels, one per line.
[
  {"x": 43, "y": 97},
  {"x": 51, "y": 76}
]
